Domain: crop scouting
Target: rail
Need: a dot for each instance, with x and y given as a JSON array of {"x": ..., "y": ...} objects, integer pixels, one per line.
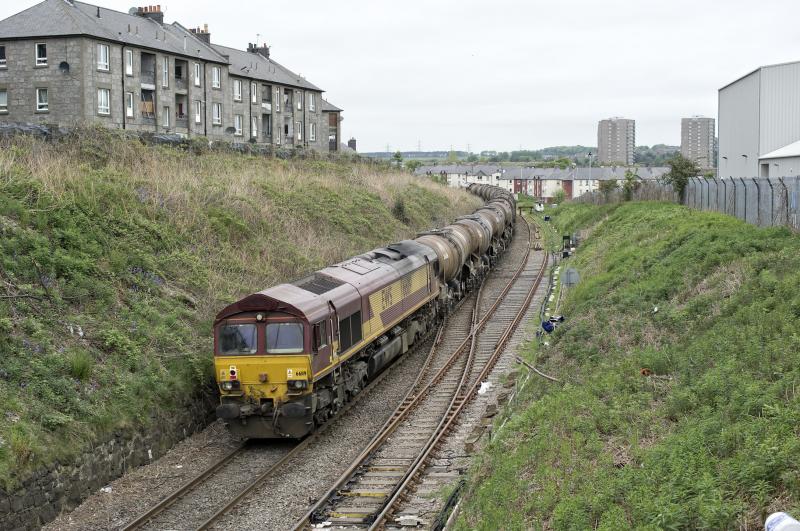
[{"x": 456, "y": 405}]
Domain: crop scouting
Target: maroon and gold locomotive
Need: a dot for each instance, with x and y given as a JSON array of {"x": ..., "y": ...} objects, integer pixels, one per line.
[{"x": 287, "y": 358}]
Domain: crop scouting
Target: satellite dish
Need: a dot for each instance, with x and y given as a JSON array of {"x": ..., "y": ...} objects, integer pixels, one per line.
[
  {"x": 133, "y": 11},
  {"x": 64, "y": 67},
  {"x": 230, "y": 130}
]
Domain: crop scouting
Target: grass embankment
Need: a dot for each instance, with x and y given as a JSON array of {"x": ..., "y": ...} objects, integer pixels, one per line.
[
  {"x": 114, "y": 257},
  {"x": 680, "y": 359}
]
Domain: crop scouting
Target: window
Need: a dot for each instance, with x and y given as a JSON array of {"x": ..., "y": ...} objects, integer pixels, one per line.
[
  {"x": 299, "y": 127},
  {"x": 165, "y": 73},
  {"x": 215, "y": 77},
  {"x": 103, "y": 101},
  {"x": 299, "y": 98},
  {"x": 238, "y": 339},
  {"x": 3, "y": 100},
  {"x": 216, "y": 113},
  {"x": 349, "y": 331},
  {"x": 320, "y": 335},
  {"x": 3, "y": 63},
  {"x": 128, "y": 62},
  {"x": 102, "y": 57},
  {"x": 254, "y": 127},
  {"x": 197, "y": 74},
  {"x": 237, "y": 124},
  {"x": 278, "y": 136},
  {"x": 129, "y": 104},
  {"x": 165, "y": 116},
  {"x": 253, "y": 93},
  {"x": 312, "y": 104},
  {"x": 198, "y": 112},
  {"x": 312, "y": 132},
  {"x": 284, "y": 338},
  {"x": 237, "y": 90},
  {"x": 41, "y": 54},
  {"x": 277, "y": 101},
  {"x": 41, "y": 100}
]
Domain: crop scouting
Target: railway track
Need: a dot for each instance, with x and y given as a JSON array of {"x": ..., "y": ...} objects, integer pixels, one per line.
[
  {"x": 231, "y": 479},
  {"x": 368, "y": 492},
  {"x": 220, "y": 484}
]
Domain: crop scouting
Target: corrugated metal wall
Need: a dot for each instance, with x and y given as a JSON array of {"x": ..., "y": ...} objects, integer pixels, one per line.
[
  {"x": 780, "y": 106},
  {"x": 738, "y": 127}
]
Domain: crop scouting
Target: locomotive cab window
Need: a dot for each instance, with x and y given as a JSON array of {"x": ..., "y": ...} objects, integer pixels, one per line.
[
  {"x": 284, "y": 338},
  {"x": 320, "y": 335},
  {"x": 238, "y": 339}
]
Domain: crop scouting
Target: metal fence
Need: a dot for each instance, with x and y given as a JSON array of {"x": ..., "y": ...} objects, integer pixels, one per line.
[{"x": 765, "y": 202}]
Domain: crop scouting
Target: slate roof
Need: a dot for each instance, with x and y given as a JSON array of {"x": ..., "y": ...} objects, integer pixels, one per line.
[
  {"x": 59, "y": 18},
  {"x": 247, "y": 64},
  {"x": 602, "y": 173},
  {"x": 329, "y": 107}
]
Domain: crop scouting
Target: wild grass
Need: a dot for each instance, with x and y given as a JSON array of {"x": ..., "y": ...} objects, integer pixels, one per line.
[
  {"x": 680, "y": 362},
  {"x": 115, "y": 256}
]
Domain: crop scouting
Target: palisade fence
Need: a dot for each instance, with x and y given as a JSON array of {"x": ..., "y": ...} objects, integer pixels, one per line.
[{"x": 765, "y": 202}]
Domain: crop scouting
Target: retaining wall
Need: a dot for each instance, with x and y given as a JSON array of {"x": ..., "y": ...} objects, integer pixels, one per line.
[{"x": 63, "y": 486}]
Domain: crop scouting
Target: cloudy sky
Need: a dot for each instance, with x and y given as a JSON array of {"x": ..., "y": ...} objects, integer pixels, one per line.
[{"x": 502, "y": 74}]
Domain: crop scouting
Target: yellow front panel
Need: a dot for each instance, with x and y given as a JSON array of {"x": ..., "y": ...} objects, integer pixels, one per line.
[{"x": 278, "y": 369}]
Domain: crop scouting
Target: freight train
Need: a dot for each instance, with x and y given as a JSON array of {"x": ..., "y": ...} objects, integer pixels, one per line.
[{"x": 289, "y": 357}]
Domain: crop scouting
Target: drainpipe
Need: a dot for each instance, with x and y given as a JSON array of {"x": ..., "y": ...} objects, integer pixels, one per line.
[
  {"x": 155, "y": 92},
  {"x": 205, "y": 102},
  {"x": 124, "y": 95},
  {"x": 251, "y": 112},
  {"x": 305, "y": 121}
]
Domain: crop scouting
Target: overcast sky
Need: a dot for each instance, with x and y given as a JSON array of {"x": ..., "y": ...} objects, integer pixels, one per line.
[{"x": 502, "y": 74}]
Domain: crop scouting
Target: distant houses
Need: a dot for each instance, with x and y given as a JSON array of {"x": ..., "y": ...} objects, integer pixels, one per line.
[{"x": 543, "y": 183}]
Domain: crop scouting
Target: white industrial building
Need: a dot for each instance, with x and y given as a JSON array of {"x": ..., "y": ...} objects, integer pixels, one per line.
[{"x": 759, "y": 123}]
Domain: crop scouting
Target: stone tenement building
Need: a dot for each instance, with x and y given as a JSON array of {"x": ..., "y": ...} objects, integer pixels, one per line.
[
  {"x": 616, "y": 141},
  {"x": 64, "y": 62}
]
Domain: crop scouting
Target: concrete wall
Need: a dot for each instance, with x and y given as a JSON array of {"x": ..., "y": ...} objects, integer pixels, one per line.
[{"x": 738, "y": 127}]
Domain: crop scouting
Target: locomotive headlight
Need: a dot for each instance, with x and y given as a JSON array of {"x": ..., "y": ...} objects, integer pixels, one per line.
[
  {"x": 297, "y": 384},
  {"x": 230, "y": 385}
]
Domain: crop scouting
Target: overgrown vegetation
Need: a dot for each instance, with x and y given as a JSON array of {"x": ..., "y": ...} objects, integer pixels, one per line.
[
  {"x": 680, "y": 359},
  {"x": 115, "y": 256}
]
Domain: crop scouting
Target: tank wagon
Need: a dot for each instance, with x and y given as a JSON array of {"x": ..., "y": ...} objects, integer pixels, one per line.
[{"x": 289, "y": 357}]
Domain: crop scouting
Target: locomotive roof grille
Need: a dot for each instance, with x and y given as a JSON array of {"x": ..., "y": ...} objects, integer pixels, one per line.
[{"x": 318, "y": 284}]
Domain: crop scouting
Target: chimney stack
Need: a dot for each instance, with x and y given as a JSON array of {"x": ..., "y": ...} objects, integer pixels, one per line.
[
  {"x": 202, "y": 34},
  {"x": 151, "y": 12},
  {"x": 262, "y": 50}
]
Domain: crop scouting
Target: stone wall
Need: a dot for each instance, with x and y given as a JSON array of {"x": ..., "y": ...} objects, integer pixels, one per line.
[{"x": 63, "y": 486}]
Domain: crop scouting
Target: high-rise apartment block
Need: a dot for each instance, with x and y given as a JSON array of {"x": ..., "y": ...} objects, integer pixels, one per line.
[
  {"x": 697, "y": 140},
  {"x": 616, "y": 141}
]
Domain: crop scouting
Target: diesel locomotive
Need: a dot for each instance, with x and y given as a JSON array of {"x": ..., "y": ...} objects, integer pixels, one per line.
[{"x": 287, "y": 358}]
